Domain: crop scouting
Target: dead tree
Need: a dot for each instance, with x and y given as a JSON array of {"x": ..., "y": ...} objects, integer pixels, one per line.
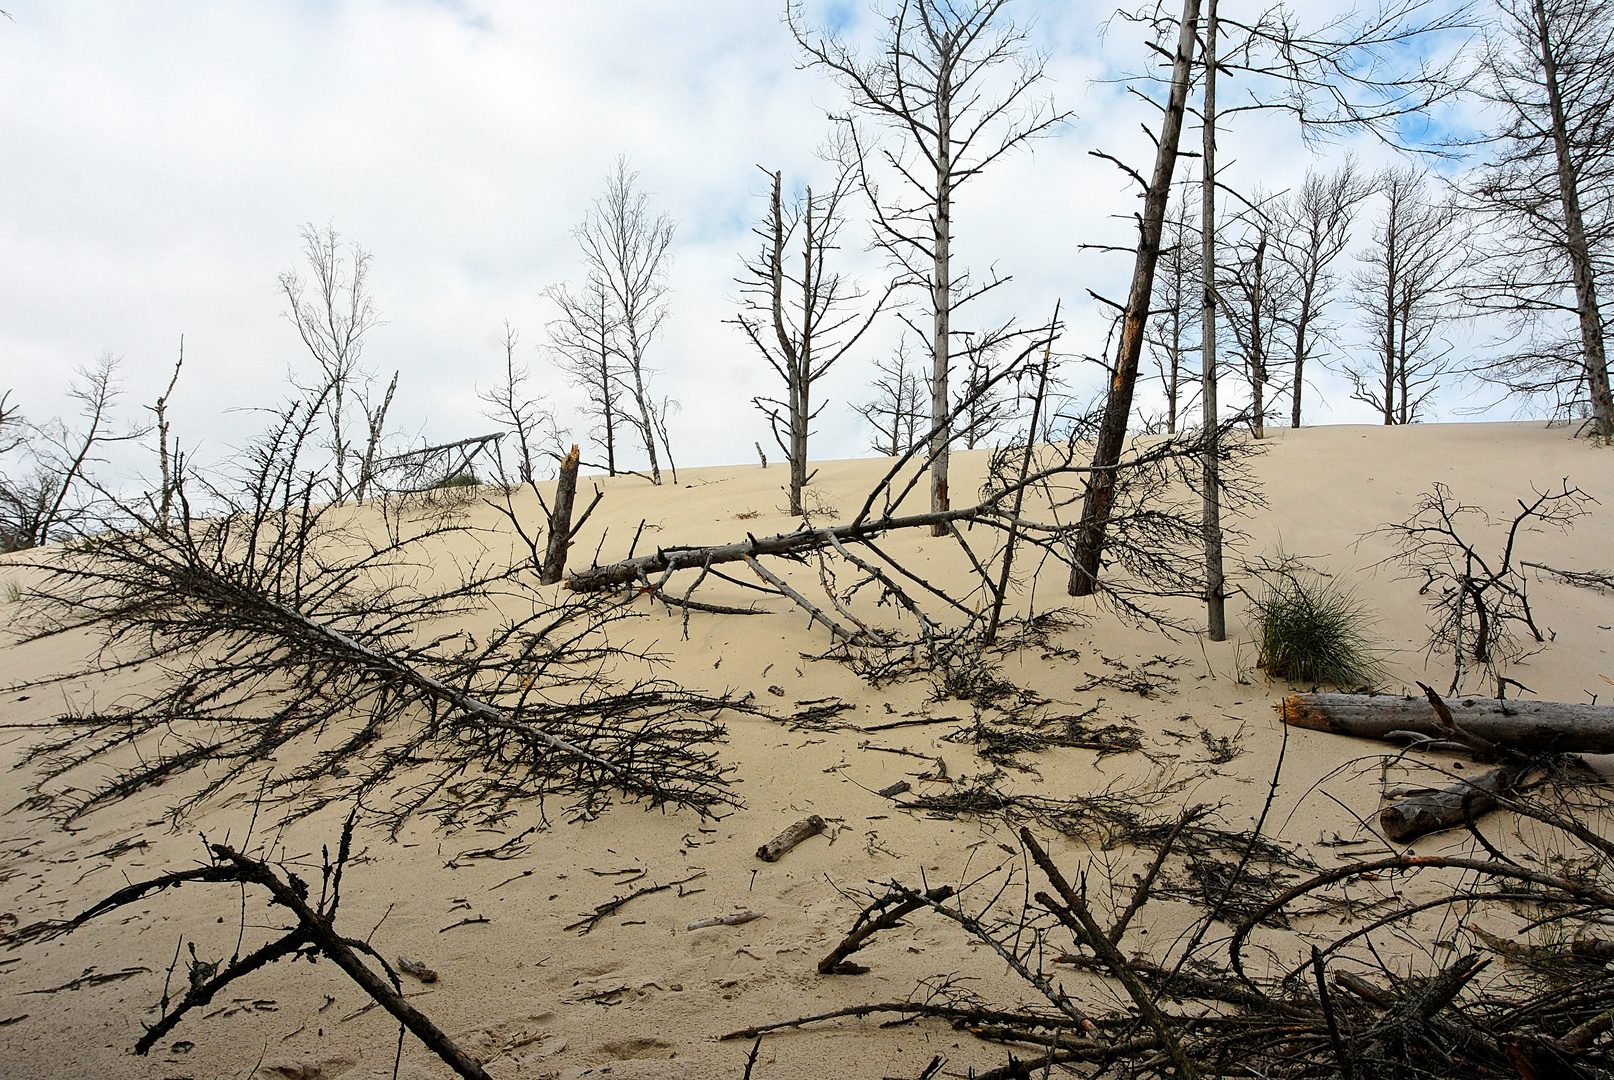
[
  {"x": 57, "y": 497},
  {"x": 931, "y": 82},
  {"x": 1403, "y": 291},
  {"x": 170, "y": 462},
  {"x": 1544, "y": 187},
  {"x": 896, "y": 411},
  {"x": 525, "y": 417},
  {"x": 560, "y": 527},
  {"x": 1209, "y": 401},
  {"x": 1118, "y": 403},
  {"x": 585, "y": 340},
  {"x": 988, "y": 407},
  {"x": 333, "y": 323},
  {"x": 1256, "y": 290},
  {"x": 626, "y": 250},
  {"x": 274, "y": 623},
  {"x": 1477, "y": 603},
  {"x": 1314, "y": 229},
  {"x": 795, "y": 313},
  {"x": 1176, "y": 315}
]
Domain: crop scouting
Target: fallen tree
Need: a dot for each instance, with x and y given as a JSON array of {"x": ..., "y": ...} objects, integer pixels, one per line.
[
  {"x": 1531, "y": 727},
  {"x": 1027, "y": 504},
  {"x": 274, "y": 620}
]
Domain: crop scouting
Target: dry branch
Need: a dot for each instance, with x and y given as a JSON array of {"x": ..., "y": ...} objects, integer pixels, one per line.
[
  {"x": 313, "y": 934},
  {"x": 868, "y": 924}
]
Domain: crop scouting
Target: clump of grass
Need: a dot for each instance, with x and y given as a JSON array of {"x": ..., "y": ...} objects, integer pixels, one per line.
[
  {"x": 13, "y": 592},
  {"x": 1313, "y": 630}
]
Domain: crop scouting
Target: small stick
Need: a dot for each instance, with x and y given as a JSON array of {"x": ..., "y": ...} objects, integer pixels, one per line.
[
  {"x": 417, "y": 969},
  {"x": 739, "y": 918},
  {"x": 775, "y": 849},
  {"x": 894, "y": 790},
  {"x": 463, "y": 922},
  {"x": 591, "y": 920}
]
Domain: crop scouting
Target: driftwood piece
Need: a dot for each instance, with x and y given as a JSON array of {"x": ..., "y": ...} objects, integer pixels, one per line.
[
  {"x": 775, "y": 849},
  {"x": 1407, "y": 819},
  {"x": 738, "y": 918},
  {"x": 560, "y": 520},
  {"x": 1532, "y": 727}
]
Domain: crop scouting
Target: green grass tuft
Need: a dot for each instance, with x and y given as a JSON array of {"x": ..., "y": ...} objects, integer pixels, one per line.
[{"x": 1311, "y": 630}]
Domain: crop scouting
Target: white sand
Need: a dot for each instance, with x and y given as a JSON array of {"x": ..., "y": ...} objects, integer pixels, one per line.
[{"x": 515, "y": 989}]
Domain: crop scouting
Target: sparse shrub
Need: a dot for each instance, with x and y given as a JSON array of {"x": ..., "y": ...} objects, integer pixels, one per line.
[
  {"x": 1313, "y": 630},
  {"x": 463, "y": 479}
]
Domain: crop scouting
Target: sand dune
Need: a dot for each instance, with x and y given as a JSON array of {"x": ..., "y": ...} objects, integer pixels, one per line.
[{"x": 641, "y": 995}]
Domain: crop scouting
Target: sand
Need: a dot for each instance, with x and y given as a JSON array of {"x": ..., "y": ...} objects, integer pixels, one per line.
[{"x": 643, "y": 996}]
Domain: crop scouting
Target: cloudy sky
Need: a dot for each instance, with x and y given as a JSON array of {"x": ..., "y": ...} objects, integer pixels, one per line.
[{"x": 160, "y": 160}]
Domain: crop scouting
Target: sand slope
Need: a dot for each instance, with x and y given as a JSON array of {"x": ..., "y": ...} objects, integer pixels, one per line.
[{"x": 642, "y": 996}]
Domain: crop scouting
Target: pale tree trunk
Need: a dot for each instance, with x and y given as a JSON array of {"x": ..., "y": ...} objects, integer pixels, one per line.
[
  {"x": 941, "y": 292},
  {"x": 1215, "y": 604},
  {"x": 1258, "y": 356},
  {"x": 643, "y": 401},
  {"x": 801, "y": 377},
  {"x": 1100, "y": 495},
  {"x": 1392, "y": 267},
  {"x": 1591, "y": 320}
]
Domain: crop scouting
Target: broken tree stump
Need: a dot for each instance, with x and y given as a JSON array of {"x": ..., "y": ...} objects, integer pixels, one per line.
[
  {"x": 1408, "y": 819},
  {"x": 1532, "y": 727},
  {"x": 775, "y": 849},
  {"x": 560, "y": 520}
]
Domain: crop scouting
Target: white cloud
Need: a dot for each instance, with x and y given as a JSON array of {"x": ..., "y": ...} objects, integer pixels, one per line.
[{"x": 162, "y": 158}]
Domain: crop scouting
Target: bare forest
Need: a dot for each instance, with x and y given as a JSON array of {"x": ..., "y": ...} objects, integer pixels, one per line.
[{"x": 1105, "y": 709}]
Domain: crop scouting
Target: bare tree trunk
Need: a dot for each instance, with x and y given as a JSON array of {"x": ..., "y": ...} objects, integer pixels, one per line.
[
  {"x": 560, "y": 521},
  {"x": 941, "y": 292},
  {"x": 1118, "y": 406},
  {"x": 1215, "y": 605},
  {"x": 1258, "y": 342},
  {"x": 1591, "y": 320}
]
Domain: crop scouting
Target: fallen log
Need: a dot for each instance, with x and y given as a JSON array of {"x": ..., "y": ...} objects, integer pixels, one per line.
[
  {"x": 1407, "y": 819},
  {"x": 775, "y": 849},
  {"x": 1531, "y": 727},
  {"x": 664, "y": 560}
]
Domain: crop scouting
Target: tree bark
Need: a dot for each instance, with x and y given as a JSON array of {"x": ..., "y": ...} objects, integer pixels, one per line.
[
  {"x": 684, "y": 558},
  {"x": 1118, "y": 407},
  {"x": 1591, "y": 321},
  {"x": 1408, "y": 819},
  {"x": 1211, "y": 508},
  {"x": 560, "y": 521},
  {"x": 1532, "y": 727},
  {"x": 941, "y": 298}
]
